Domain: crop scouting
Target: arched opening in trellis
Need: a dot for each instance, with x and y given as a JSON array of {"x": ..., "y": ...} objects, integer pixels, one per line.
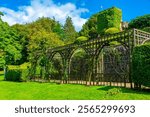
[
  {"x": 112, "y": 65},
  {"x": 56, "y": 68},
  {"x": 78, "y": 67},
  {"x": 147, "y": 41}
]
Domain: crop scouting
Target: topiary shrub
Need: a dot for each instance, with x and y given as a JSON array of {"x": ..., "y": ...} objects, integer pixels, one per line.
[
  {"x": 112, "y": 30},
  {"x": 141, "y": 65},
  {"x": 80, "y": 39},
  {"x": 109, "y": 18}
]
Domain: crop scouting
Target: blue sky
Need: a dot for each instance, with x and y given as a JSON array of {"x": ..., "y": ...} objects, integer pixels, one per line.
[{"x": 22, "y": 11}]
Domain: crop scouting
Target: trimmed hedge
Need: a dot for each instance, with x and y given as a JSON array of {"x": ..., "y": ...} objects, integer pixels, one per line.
[
  {"x": 141, "y": 65},
  {"x": 112, "y": 30},
  {"x": 80, "y": 39},
  {"x": 17, "y": 73},
  {"x": 109, "y": 18},
  {"x": 13, "y": 75}
]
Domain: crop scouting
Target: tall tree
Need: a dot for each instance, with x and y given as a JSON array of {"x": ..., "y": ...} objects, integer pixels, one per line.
[
  {"x": 22, "y": 32},
  {"x": 140, "y": 22},
  {"x": 10, "y": 49},
  {"x": 69, "y": 31},
  {"x": 89, "y": 29}
]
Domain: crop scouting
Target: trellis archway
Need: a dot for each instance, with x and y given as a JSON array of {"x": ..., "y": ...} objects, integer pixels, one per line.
[
  {"x": 56, "y": 68},
  {"x": 78, "y": 66},
  {"x": 96, "y": 48}
]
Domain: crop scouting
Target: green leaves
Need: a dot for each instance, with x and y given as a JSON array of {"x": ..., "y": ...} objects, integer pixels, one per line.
[
  {"x": 141, "y": 65},
  {"x": 9, "y": 45},
  {"x": 89, "y": 29},
  {"x": 109, "y": 18},
  {"x": 69, "y": 31},
  {"x": 140, "y": 22}
]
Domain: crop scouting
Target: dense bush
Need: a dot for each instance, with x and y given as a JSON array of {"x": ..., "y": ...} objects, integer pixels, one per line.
[
  {"x": 112, "y": 30},
  {"x": 140, "y": 22},
  {"x": 109, "y": 18},
  {"x": 17, "y": 73},
  {"x": 80, "y": 39},
  {"x": 13, "y": 75},
  {"x": 141, "y": 65}
]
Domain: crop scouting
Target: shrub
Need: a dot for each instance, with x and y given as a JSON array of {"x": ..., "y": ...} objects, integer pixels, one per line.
[
  {"x": 80, "y": 39},
  {"x": 109, "y": 18},
  {"x": 13, "y": 75},
  {"x": 112, "y": 30},
  {"x": 17, "y": 72},
  {"x": 141, "y": 65}
]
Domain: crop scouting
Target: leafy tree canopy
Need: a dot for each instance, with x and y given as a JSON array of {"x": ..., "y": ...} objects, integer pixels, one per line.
[
  {"x": 89, "y": 29},
  {"x": 9, "y": 44},
  {"x": 140, "y": 22}
]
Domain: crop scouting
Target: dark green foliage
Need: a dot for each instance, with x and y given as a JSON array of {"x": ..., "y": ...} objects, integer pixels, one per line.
[
  {"x": 13, "y": 75},
  {"x": 112, "y": 30},
  {"x": 21, "y": 72},
  {"x": 23, "y": 36},
  {"x": 140, "y": 22},
  {"x": 56, "y": 70},
  {"x": 147, "y": 29},
  {"x": 69, "y": 31},
  {"x": 1, "y": 14},
  {"x": 79, "y": 65},
  {"x": 141, "y": 65},
  {"x": 109, "y": 18},
  {"x": 89, "y": 29},
  {"x": 80, "y": 40}
]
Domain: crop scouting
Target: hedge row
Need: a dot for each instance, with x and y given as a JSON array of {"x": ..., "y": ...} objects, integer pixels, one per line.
[
  {"x": 141, "y": 65},
  {"x": 17, "y": 73}
]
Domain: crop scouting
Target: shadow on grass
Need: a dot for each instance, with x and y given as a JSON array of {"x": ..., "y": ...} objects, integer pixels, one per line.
[{"x": 126, "y": 90}]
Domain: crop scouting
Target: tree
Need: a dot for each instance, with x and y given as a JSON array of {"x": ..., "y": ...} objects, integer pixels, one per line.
[
  {"x": 23, "y": 33},
  {"x": 10, "y": 49},
  {"x": 69, "y": 31},
  {"x": 26, "y": 32},
  {"x": 47, "y": 24},
  {"x": 140, "y": 22},
  {"x": 89, "y": 29},
  {"x": 38, "y": 46},
  {"x": 1, "y": 14}
]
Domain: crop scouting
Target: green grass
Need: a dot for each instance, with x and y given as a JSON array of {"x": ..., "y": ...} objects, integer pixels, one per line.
[{"x": 51, "y": 91}]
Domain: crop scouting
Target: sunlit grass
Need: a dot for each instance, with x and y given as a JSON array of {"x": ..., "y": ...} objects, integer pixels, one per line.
[{"x": 51, "y": 91}]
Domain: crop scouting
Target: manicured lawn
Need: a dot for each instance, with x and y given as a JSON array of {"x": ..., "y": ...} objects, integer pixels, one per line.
[{"x": 51, "y": 91}]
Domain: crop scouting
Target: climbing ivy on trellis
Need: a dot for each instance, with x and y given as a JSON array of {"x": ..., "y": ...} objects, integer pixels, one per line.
[{"x": 109, "y": 18}]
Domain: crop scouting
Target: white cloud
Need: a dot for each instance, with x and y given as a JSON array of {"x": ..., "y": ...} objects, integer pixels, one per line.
[{"x": 46, "y": 8}]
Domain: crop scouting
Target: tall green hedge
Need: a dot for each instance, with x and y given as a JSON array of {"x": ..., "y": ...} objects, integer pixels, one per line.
[
  {"x": 109, "y": 18},
  {"x": 141, "y": 65}
]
